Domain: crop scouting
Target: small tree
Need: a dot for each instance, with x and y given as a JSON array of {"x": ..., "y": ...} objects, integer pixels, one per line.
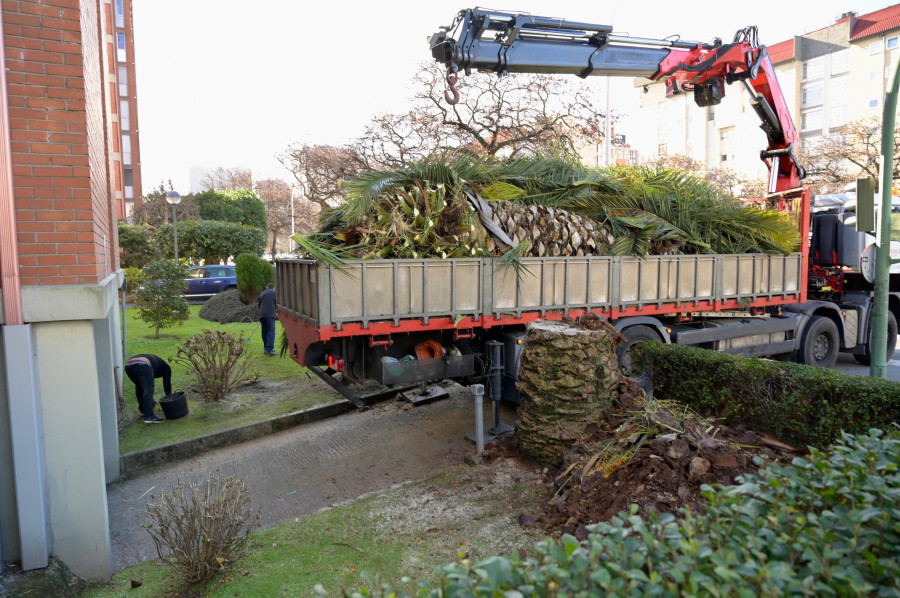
[
  {"x": 159, "y": 298},
  {"x": 253, "y": 274}
]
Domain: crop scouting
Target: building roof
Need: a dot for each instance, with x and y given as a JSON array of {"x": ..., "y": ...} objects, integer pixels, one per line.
[
  {"x": 873, "y": 23},
  {"x": 886, "y": 19},
  {"x": 781, "y": 51}
]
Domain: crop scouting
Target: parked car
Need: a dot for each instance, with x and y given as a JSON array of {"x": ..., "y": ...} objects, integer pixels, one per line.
[{"x": 206, "y": 281}]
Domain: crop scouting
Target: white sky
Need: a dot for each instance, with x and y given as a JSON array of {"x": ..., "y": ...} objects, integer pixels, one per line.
[{"x": 234, "y": 82}]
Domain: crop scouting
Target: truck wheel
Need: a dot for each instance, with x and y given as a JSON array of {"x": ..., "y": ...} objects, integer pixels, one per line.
[
  {"x": 820, "y": 343},
  {"x": 633, "y": 336},
  {"x": 865, "y": 358}
]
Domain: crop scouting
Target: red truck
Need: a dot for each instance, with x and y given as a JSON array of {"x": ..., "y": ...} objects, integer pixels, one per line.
[{"x": 471, "y": 316}]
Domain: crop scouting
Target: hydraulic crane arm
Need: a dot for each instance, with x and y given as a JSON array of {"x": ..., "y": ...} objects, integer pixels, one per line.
[{"x": 503, "y": 42}]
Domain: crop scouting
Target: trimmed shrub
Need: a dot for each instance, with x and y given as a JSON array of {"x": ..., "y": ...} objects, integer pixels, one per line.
[
  {"x": 220, "y": 361},
  {"x": 199, "y": 529},
  {"x": 824, "y": 525},
  {"x": 253, "y": 274},
  {"x": 797, "y": 403}
]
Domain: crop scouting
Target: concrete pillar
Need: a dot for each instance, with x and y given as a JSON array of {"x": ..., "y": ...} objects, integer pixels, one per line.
[
  {"x": 9, "y": 521},
  {"x": 104, "y": 341},
  {"x": 76, "y": 475},
  {"x": 28, "y": 435}
]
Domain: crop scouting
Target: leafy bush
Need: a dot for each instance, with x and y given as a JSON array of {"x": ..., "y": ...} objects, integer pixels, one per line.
[
  {"x": 219, "y": 360},
  {"x": 253, "y": 274},
  {"x": 210, "y": 240},
  {"x": 198, "y": 529},
  {"x": 801, "y": 404},
  {"x": 137, "y": 245},
  {"x": 825, "y": 525},
  {"x": 134, "y": 277},
  {"x": 238, "y": 206},
  {"x": 159, "y": 297}
]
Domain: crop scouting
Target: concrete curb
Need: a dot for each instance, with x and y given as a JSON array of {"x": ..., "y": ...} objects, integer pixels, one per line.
[{"x": 130, "y": 463}]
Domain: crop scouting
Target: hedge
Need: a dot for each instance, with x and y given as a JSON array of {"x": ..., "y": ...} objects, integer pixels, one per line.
[
  {"x": 804, "y": 405},
  {"x": 825, "y": 525}
]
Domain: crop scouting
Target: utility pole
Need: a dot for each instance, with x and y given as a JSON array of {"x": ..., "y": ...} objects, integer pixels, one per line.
[{"x": 878, "y": 366}]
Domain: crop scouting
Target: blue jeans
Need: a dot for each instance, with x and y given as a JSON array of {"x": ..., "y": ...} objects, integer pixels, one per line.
[{"x": 268, "y": 333}]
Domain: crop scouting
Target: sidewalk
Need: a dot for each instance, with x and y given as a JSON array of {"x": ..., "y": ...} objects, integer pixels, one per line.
[{"x": 309, "y": 467}]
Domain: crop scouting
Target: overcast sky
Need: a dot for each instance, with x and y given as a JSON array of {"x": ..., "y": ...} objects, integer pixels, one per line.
[{"x": 234, "y": 82}]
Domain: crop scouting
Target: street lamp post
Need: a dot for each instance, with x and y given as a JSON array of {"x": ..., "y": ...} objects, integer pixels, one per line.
[{"x": 174, "y": 198}]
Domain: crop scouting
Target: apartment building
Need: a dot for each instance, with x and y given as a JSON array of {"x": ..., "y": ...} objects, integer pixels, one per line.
[
  {"x": 61, "y": 353},
  {"x": 828, "y": 77},
  {"x": 127, "y": 112}
]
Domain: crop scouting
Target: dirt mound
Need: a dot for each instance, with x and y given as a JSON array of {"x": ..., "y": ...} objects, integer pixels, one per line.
[
  {"x": 652, "y": 454},
  {"x": 227, "y": 307}
]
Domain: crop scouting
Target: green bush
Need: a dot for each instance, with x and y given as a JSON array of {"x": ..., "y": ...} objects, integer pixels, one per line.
[
  {"x": 797, "y": 403},
  {"x": 211, "y": 241},
  {"x": 134, "y": 277},
  {"x": 137, "y": 246},
  {"x": 824, "y": 525},
  {"x": 159, "y": 297},
  {"x": 253, "y": 274}
]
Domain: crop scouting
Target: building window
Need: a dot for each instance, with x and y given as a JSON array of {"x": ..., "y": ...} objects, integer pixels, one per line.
[
  {"x": 123, "y": 81},
  {"x": 121, "y": 54},
  {"x": 724, "y": 134},
  {"x": 875, "y": 47},
  {"x": 873, "y": 75},
  {"x": 724, "y": 158},
  {"x": 811, "y": 120},
  {"x": 813, "y": 69},
  {"x": 873, "y": 103},
  {"x": 839, "y": 90},
  {"x": 126, "y": 150},
  {"x": 120, "y": 13},
  {"x": 840, "y": 62},
  {"x": 124, "y": 115},
  {"x": 893, "y": 42},
  {"x": 889, "y": 71},
  {"x": 811, "y": 96},
  {"x": 837, "y": 116},
  {"x": 711, "y": 113},
  {"x": 129, "y": 183}
]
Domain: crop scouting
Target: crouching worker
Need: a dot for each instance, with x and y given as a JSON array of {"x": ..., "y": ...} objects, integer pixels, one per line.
[{"x": 143, "y": 370}]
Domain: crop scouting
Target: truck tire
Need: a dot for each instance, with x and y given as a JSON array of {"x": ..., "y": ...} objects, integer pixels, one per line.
[
  {"x": 820, "y": 344},
  {"x": 633, "y": 336},
  {"x": 865, "y": 357}
]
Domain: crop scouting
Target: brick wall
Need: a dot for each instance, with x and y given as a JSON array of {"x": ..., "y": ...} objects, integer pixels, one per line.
[{"x": 58, "y": 129}]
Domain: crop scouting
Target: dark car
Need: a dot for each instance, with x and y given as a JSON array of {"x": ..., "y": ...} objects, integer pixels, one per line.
[{"x": 206, "y": 281}]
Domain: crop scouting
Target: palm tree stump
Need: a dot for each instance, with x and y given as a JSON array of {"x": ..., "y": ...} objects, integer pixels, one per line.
[{"x": 568, "y": 376}]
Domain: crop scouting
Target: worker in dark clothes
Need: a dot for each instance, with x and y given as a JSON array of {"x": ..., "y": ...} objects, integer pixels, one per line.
[
  {"x": 266, "y": 303},
  {"x": 143, "y": 370}
]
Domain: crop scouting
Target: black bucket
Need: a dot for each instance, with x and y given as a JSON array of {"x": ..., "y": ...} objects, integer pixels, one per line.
[{"x": 174, "y": 405}]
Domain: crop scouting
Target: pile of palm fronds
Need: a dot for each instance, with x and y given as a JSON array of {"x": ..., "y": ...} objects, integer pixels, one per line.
[{"x": 467, "y": 206}]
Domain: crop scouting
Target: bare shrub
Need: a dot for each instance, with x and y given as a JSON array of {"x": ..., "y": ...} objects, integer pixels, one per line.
[
  {"x": 198, "y": 528},
  {"x": 219, "y": 360}
]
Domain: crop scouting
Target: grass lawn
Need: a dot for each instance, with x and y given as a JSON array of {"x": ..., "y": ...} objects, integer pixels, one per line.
[
  {"x": 284, "y": 386},
  {"x": 406, "y": 531}
]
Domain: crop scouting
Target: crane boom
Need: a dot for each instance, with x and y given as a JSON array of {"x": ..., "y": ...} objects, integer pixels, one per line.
[{"x": 505, "y": 42}]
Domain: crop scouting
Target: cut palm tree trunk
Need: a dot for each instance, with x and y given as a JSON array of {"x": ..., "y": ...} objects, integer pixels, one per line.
[{"x": 568, "y": 376}]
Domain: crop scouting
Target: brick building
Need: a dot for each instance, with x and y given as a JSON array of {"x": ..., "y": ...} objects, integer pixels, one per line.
[{"x": 60, "y": 179}]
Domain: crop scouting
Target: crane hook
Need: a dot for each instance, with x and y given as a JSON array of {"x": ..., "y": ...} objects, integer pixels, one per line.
[{"x": 451, "y": 94}]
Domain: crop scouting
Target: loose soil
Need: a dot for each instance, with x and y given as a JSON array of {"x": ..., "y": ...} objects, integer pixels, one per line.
[{"x": 663, "y": 474}]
